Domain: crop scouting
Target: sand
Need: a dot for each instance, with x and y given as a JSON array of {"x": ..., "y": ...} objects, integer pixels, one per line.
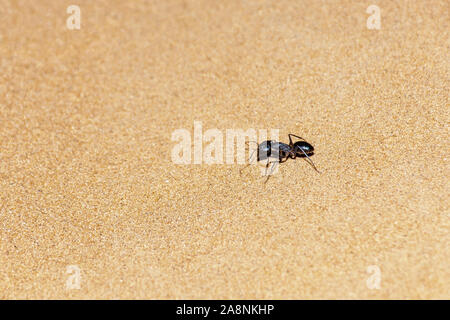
[{"x": 87, "y": 179}]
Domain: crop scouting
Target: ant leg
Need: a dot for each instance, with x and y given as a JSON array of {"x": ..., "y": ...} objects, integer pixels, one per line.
[
  {"x": 290, "y": 135},
  {"x": 284, "y": 159},
  {"x": 247, "y": 143},
  {"x": 257, "y": 145},
  {"x": 271, "y": 169},
  {"x": 249, "y": 162},
  {"x": 311, "y": 163},
  {"x": 274, "y": 163},
  {"x": 267, "y": 166}
]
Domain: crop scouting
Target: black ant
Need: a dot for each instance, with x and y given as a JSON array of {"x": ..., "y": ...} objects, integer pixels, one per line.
[{"x": 274, "y": 149}]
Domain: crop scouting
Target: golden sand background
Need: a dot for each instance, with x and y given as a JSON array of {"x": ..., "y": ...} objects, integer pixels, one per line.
[{"x": 86, "y": 177}]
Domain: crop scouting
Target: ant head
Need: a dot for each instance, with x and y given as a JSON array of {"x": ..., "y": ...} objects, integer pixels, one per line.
[{"x": 302, "y": 147}]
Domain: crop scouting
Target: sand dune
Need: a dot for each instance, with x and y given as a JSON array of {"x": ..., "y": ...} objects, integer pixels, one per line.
[{"x": 91, "y": 199}]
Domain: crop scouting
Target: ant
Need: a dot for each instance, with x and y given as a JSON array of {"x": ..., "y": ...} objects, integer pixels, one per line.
[{"x": 274, "y": 149}]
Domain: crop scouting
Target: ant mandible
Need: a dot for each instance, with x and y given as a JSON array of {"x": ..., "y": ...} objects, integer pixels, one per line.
[{"x": 274, "y": 149}]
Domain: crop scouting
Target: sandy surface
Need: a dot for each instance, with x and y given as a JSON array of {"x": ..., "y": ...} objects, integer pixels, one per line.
[{"x": 86, "y": 176}]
